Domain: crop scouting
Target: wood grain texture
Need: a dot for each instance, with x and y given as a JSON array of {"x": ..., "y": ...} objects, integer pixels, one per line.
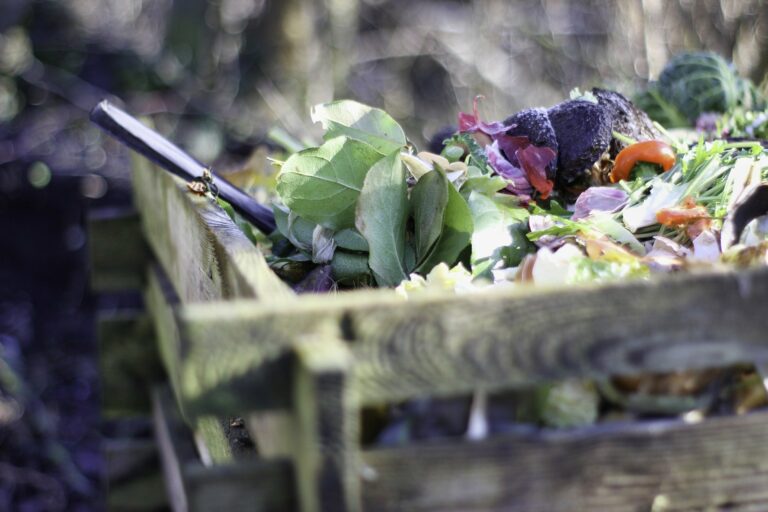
[
  {"x": 205, "y": 256},
  {"x": 129, "y": 365},
  {"x": 443, "y": 345},
  {"x": 193, "y": 487},
  {"x": 327, "y": 428},
  {"x": 161, "y": 302},
  {"x": 718, "y": 464},
  {"x": 204, "y": 253},
  {"x": 117, "y": 251}
]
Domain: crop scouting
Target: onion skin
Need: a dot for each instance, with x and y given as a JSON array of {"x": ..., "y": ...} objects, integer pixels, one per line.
[{"x": 650, "y": 151}]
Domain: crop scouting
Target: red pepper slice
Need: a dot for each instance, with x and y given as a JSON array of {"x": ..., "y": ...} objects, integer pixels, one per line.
[{"x": 651, "y": 151}]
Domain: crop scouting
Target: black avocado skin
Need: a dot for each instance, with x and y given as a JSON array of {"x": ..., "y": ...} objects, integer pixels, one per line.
[
  {"x": 583, "y": 133},
  {"x": 534, "y": 124}
]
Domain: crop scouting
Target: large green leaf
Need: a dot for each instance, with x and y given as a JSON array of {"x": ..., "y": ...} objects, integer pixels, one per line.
[
  {"x": 360, "y": 122},
  {"x": 492, "y": 231},
  {"x": 429, "y": 198},
  {"x": 322, "y": 184},
  {"x": 382, "y": 212},
  {"x": 457, "y": 227}
]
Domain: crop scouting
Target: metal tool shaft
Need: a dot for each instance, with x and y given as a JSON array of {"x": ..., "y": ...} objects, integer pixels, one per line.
[{"x": 131, "y": 132}]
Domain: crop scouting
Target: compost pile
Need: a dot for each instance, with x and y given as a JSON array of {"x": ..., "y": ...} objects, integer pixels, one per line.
[{"x": 592, "y": 189}]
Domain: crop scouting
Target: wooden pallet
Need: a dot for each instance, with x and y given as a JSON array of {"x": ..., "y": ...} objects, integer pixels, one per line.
[{"x": 235, "y": 341}]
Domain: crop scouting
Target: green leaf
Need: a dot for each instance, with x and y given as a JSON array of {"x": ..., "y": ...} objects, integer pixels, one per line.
[
  {"x": 456, "y": 233},
  {"x": 300, "y": 231},
  {"x": 382, "y": 212},
  {"x": 429, "y": 198},
  {"x": 491, "y": 232},
  {"x": 351, "y": 239},
  {"x": 297, "y": 230},
  {"x": 477, "y": 156},
  {"x": 487, "y": 185},
  {"x": 350, "y": 268},
  {"x": 360, "y": 122},
  {"x": 605, "y": 223},
  {"x": 322, "y": 184}
]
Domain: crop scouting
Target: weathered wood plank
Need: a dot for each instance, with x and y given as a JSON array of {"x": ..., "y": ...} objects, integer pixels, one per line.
[
  {"x": 212, "y": 443},
  {"x": 176, "y": 448},
  {"x": 129, "y": 363},
  {"x": 327, "y": 428},
  {"x": 263, "y": 486},
  {"x": 133, "y": 477},
  {"x": 117, "y": 251},
  {"x": 204, "y": 253},
  {"x": 273, "y": 432},
  {"x": 162, "y": 301},
  {"x": 271, "y": 387},
  {"x": 443, "y": 345},
  {"x": 718, "y": 464}
]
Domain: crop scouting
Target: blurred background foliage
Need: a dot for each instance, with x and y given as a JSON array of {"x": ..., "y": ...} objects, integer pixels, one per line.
[
  {"x": 216, "y": 75},
  {"x": 225, "y": 71}
]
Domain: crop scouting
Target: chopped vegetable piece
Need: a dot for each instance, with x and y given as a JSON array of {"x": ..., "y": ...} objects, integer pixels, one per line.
[
  {"x": 687, "y": 213},
  {"x": 651, "y": 151}
]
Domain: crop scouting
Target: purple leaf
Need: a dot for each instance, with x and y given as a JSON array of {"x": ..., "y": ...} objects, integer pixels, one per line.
[
  {"x": 519, "y": 182},
  {"x": 509, "y": 144},
  {"x": 601, "y": 199},
  {"x": 534, "y": 161}
]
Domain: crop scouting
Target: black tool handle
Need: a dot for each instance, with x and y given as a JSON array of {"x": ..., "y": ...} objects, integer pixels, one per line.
[{"x": 131, "y": 132}]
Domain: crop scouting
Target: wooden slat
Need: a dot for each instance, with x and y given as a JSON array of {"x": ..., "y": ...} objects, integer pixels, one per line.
[
  {"x": 211, "y": 438},
  {"x": 117, "y": 251},
  {"x": 227, "y": 352},
  {"x": 203, "y": 252},
  {"x": 161, "y": 301},
  {"x": 205, "y": 256},
  {"x": 327, "y": 434},
  {"x": 718, "y": 464},
  {"x": 263, "y": 486},
  {"x": 129, "y": 363},
  {"x": 133, "y": 477}
]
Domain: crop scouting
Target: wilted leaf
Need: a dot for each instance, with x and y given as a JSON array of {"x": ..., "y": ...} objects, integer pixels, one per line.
[{"x": 323, "y": 244}]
